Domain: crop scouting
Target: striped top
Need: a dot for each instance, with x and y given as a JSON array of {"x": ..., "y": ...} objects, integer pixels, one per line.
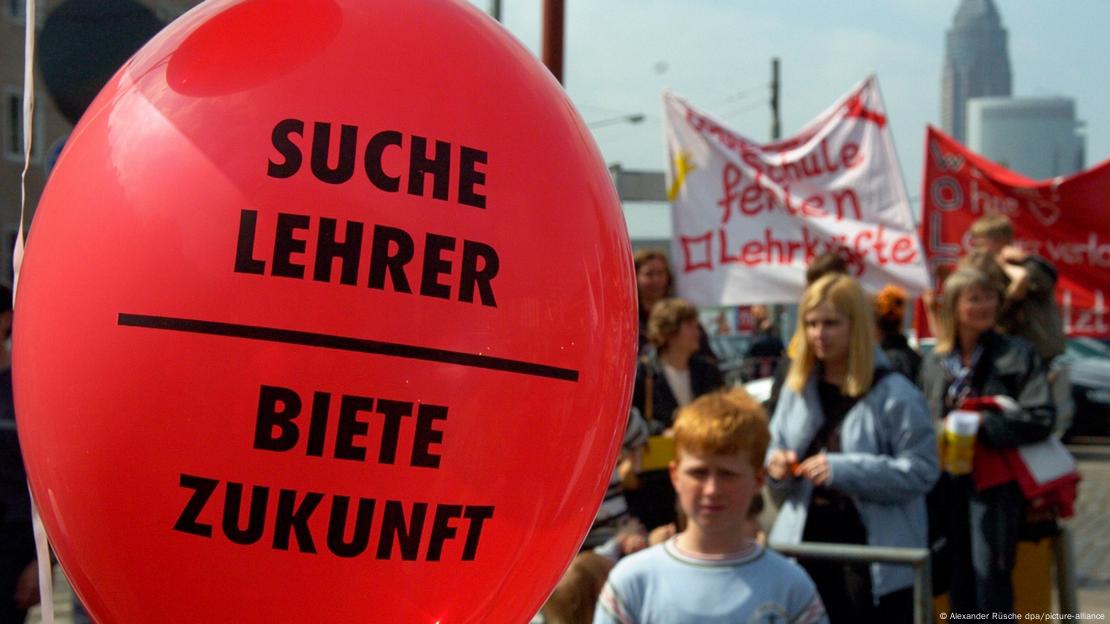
[{"x": 665, "y": 584}]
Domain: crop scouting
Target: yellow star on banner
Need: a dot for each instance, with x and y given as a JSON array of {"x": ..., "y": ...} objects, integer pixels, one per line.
[{"x": 682, "y": 166}]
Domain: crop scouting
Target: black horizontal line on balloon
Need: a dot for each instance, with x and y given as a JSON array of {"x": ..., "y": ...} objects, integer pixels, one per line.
[{"x": 345, "y": 343}]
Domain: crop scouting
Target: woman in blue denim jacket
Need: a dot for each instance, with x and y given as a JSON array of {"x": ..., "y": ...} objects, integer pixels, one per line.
[{"x": 853, "y": 453}]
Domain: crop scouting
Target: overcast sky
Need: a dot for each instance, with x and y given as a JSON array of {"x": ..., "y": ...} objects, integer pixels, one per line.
[{"x": 717, "y": 54}]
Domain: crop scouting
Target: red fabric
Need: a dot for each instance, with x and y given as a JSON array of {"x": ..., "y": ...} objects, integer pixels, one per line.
[
  {"x": 1063, "y": 220},
  {"x": 1058, "y": 494},
  {"x": 992, "y": 467},
  {"x": 988, "y": 465}
]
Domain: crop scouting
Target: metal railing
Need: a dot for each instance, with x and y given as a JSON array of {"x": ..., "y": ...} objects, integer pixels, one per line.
[
  {"x": 1064, "y": 558},
  {"x": 918, "y": 558}
]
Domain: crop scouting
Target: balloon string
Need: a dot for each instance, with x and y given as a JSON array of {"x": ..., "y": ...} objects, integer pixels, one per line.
[
  {"x": 28, "y": 127},
  {"x": 42, "y": 551},
  {"x": 42, "y": 545}
]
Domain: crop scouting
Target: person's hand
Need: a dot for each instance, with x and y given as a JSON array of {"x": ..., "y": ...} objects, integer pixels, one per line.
[
  {"x": 631, "y": 536},
  {"x": 632, "y": 542},
  {"x": 629, "y": 470},
  {"x": 816, "y": 469},
  {"x": 932, "y": 301},
  {"x": 781, "y": 463},
  {"x": 1020, "y": 281},
  {"x": 1012, "y": 254},
  {"x": 27, "y": 587}
]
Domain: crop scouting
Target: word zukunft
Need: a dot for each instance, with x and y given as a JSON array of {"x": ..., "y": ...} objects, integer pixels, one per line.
[{"x": 285, "y": 519}]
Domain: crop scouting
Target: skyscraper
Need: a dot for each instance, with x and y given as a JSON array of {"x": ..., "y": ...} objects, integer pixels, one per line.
[
  {"x": 976, "y": 63},
  {"x": 1035, "y": 136}
]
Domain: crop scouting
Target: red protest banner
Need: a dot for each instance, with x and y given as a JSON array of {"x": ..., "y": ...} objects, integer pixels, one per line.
[{"x": 1064, "y": 220}]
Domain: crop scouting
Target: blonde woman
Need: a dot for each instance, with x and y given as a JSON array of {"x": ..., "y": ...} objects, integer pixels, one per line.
[
  {"x": 853, "y": 453},
  {"x": 972, "y": 361}
]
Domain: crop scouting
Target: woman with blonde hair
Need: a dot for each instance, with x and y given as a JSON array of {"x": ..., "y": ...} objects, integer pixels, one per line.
[
  {"x": 1005, "y": 379},
  {"x": 853, "y": 453}
]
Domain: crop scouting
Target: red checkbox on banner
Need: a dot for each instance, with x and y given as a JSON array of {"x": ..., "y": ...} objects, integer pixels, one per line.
[{"x": 696, "y": 253}]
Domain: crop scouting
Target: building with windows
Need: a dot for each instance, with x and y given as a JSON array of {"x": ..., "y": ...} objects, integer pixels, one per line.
[
  {"x": 49, "y": 126},
  {"x": 976, "y": 63},
  {"x": 1034, "y": 136}
]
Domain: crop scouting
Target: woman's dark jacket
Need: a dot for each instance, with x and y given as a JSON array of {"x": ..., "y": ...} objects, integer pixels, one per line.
[
  {"x": 1008, "y": 366},
  {"x": 704, "y": 377}
]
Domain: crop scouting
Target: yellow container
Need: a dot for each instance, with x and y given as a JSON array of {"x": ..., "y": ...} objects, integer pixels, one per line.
[
  {"x": 960, "y": 428},
  {"x": 959, "y": 451}
]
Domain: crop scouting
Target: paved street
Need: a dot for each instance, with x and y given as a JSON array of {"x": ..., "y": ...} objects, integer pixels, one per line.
[{"x": 1092, "y": 539}]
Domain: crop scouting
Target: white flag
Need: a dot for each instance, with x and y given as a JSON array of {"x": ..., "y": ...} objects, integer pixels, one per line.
[{"x": 749, "y": 217}]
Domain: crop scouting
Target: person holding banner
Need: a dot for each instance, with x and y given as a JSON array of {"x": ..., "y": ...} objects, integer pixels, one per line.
[
  {"x": 1029, "y": 306},
  {"x": 666, "y": 379},
  {"x": 853, "y": 453},
  {"x": 974, "y": 363}
]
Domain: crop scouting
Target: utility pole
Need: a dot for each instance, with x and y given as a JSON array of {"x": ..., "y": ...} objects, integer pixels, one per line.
[
  {"x": 776, "y": 117},
  {"x": 553, "y": 37},
  {"x": 495, "y": 9},
  {"x": 778, "y": 312}
]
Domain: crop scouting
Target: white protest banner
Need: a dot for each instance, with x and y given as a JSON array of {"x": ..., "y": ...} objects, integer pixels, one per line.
[{"x": 748, "y": 217}]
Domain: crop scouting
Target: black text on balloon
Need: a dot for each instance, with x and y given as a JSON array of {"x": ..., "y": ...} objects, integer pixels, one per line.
[
  {"x": 295, "y": 520},
  {"x": 279, "y": 424},
  {"x": 389, "y": 256},
  {"x": 333, "y": 161}
]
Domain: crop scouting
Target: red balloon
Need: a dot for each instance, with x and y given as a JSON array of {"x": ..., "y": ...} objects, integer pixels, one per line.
[{"x": 326, "y": 316}]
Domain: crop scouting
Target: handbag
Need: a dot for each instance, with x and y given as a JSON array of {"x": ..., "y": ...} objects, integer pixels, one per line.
[{"x": 1047, "y": 474}]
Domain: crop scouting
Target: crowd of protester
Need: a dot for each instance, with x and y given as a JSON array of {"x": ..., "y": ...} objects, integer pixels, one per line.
[{"x": 845, "y": 451}]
